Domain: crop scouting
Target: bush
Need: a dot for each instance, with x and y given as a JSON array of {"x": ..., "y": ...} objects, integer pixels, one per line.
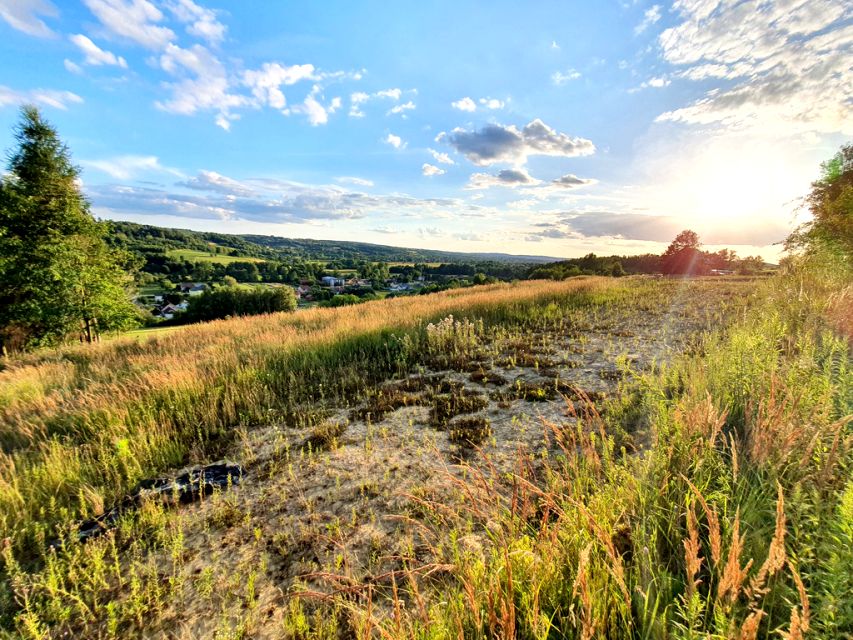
[{"x": 234, "y": 301}]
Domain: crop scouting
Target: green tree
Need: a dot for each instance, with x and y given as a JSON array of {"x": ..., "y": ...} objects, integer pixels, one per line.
[
  {"x": 830, "y": 202},
  {"x": 58, "y": 278},
  {"x": 683, "y": 256}
]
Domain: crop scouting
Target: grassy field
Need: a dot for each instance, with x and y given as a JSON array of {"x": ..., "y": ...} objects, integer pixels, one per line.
[
  {"x": 193, "y": 255},
  {"x": 146, "y": 332},
  {"x": 414, "y": 471}
]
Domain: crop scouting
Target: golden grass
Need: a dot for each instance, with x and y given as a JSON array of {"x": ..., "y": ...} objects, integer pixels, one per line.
[{"x": 102, "y": 416}]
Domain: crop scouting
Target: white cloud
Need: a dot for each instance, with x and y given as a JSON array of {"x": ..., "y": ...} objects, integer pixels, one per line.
[
  {"x": 213, "y": 181},
  {"x": 317, "y": 113},
  {"x": 443, "y": 158},
  {"x": 23, "y": 15},
  {"x": 498, "y": 143},
  {"x": 201, "y": 22},
  {"x": 394, "y": 94},
  {"x": 94, "y": 55},
  {"x": 652, "y": 83},
  {"x": 431, "y": 170},
  {"x": 73, "y": 67},
  {"x": 554, "y": 45},
  {"x": 511, "y": 178},
  {"x": 265, "y": 83},
  {"x": 394, "y": 141},
  {"x": 560, "y": 78},
  {"x": 650, "y": 17},
  {"x": 401, "y": 108},
  {"x": 465, "y": 104},
  {"x": 492, "y": 103},
  {"x": 360, "y": 98},
  {"x": 361, "y": 182},
  {"x": 130, "y": 166},
  {"x": 135, "y": 20},
  {"x": 788, "y": 63},
  {"x": 202, "y": 84},
  {"x": 218, "y": 197},
  {"x": 46, "y": 97}
]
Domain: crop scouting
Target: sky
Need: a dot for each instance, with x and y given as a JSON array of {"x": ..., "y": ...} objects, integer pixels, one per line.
[{"x": 540, "y": 128}]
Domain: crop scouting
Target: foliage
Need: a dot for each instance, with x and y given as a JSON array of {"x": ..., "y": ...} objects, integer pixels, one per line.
[
  {"x": 239, "y": 301},
  {"x": 683, "y": 256},
  {"x": 831, "y": 204},
  {"x": 57, "y": 277}
]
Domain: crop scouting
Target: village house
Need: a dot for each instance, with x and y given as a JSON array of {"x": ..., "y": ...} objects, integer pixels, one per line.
[{"x": 193, "y": 288}]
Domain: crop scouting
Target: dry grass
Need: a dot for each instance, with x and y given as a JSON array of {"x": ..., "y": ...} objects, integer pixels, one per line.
[{"x": 726, "y": 526}]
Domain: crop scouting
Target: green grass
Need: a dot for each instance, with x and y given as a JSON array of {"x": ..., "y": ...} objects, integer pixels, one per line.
[
  {"x": 193, "y": 255},
  {"x": 595, "y": 541}
]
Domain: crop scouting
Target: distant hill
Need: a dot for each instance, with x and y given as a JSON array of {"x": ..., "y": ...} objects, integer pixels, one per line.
[{"x": 146, "y": 238}]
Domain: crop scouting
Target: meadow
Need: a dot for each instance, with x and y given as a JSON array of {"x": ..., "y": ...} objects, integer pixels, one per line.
[
  {"x": 597, "y": 457},
  {"x": 194, "y": 255}
]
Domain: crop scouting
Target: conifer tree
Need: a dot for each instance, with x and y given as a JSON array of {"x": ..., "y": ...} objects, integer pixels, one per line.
[{"x": 58, "y": 278}]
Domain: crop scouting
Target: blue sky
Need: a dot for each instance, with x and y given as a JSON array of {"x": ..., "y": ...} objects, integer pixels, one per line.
[{"x": 551, "y": 128}]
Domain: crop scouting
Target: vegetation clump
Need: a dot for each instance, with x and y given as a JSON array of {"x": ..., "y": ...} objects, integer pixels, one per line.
[
  {"x": 469, "y": 431},
  {"x": 238, "y": 301},
  {"x": 324, "y": 436},
  {"x": 448, "y": 405},
  {"x": 385, "y": 401}
]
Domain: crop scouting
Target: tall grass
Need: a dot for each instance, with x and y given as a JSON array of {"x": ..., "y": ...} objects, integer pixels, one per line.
[
  {"x": 735, "y": 522},
  {"x": 80, "y": 426}
]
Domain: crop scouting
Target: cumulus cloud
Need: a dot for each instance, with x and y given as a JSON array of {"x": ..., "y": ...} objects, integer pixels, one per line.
[
  {"x": 201, "y": 80},
  {"x": 130, "y": 166},
  {"x": 650, "y": 17},
  {"x": 23, "y": 15},
  {"x": 431, "y": 170},
  {"x": 316, "y": 111},
  {"x": 360, "y": 98},
  {"x": 265, "y": 82},
  {"x": 505, "y": 178},
  {"x": 498, "y": 143},
  {"x": 94, "y": 55},
  {"x": 562, "y": 77},
  {"x": 442, "y": 158},
  {"x": 394, "y": 141},
  {"x": 787, "y": 63},
  {"x": 492, "y": 103},
  {"x": 201, "y": 22},
  {"x": 202, "y": 84},
  {"x": 46, "y": 97},
  {"x": 401, "y": 108},
  {"x": 465, "y": 104},
  {"x": 394, "y": 94},
  {"x": 571, "y": 181},
  {"x": 134, "y": 20}
]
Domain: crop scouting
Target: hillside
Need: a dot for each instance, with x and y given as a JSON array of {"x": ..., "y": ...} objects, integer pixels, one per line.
[
  {"x": 447, "y": 462},
  {"x": 141, "y": 238}
]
